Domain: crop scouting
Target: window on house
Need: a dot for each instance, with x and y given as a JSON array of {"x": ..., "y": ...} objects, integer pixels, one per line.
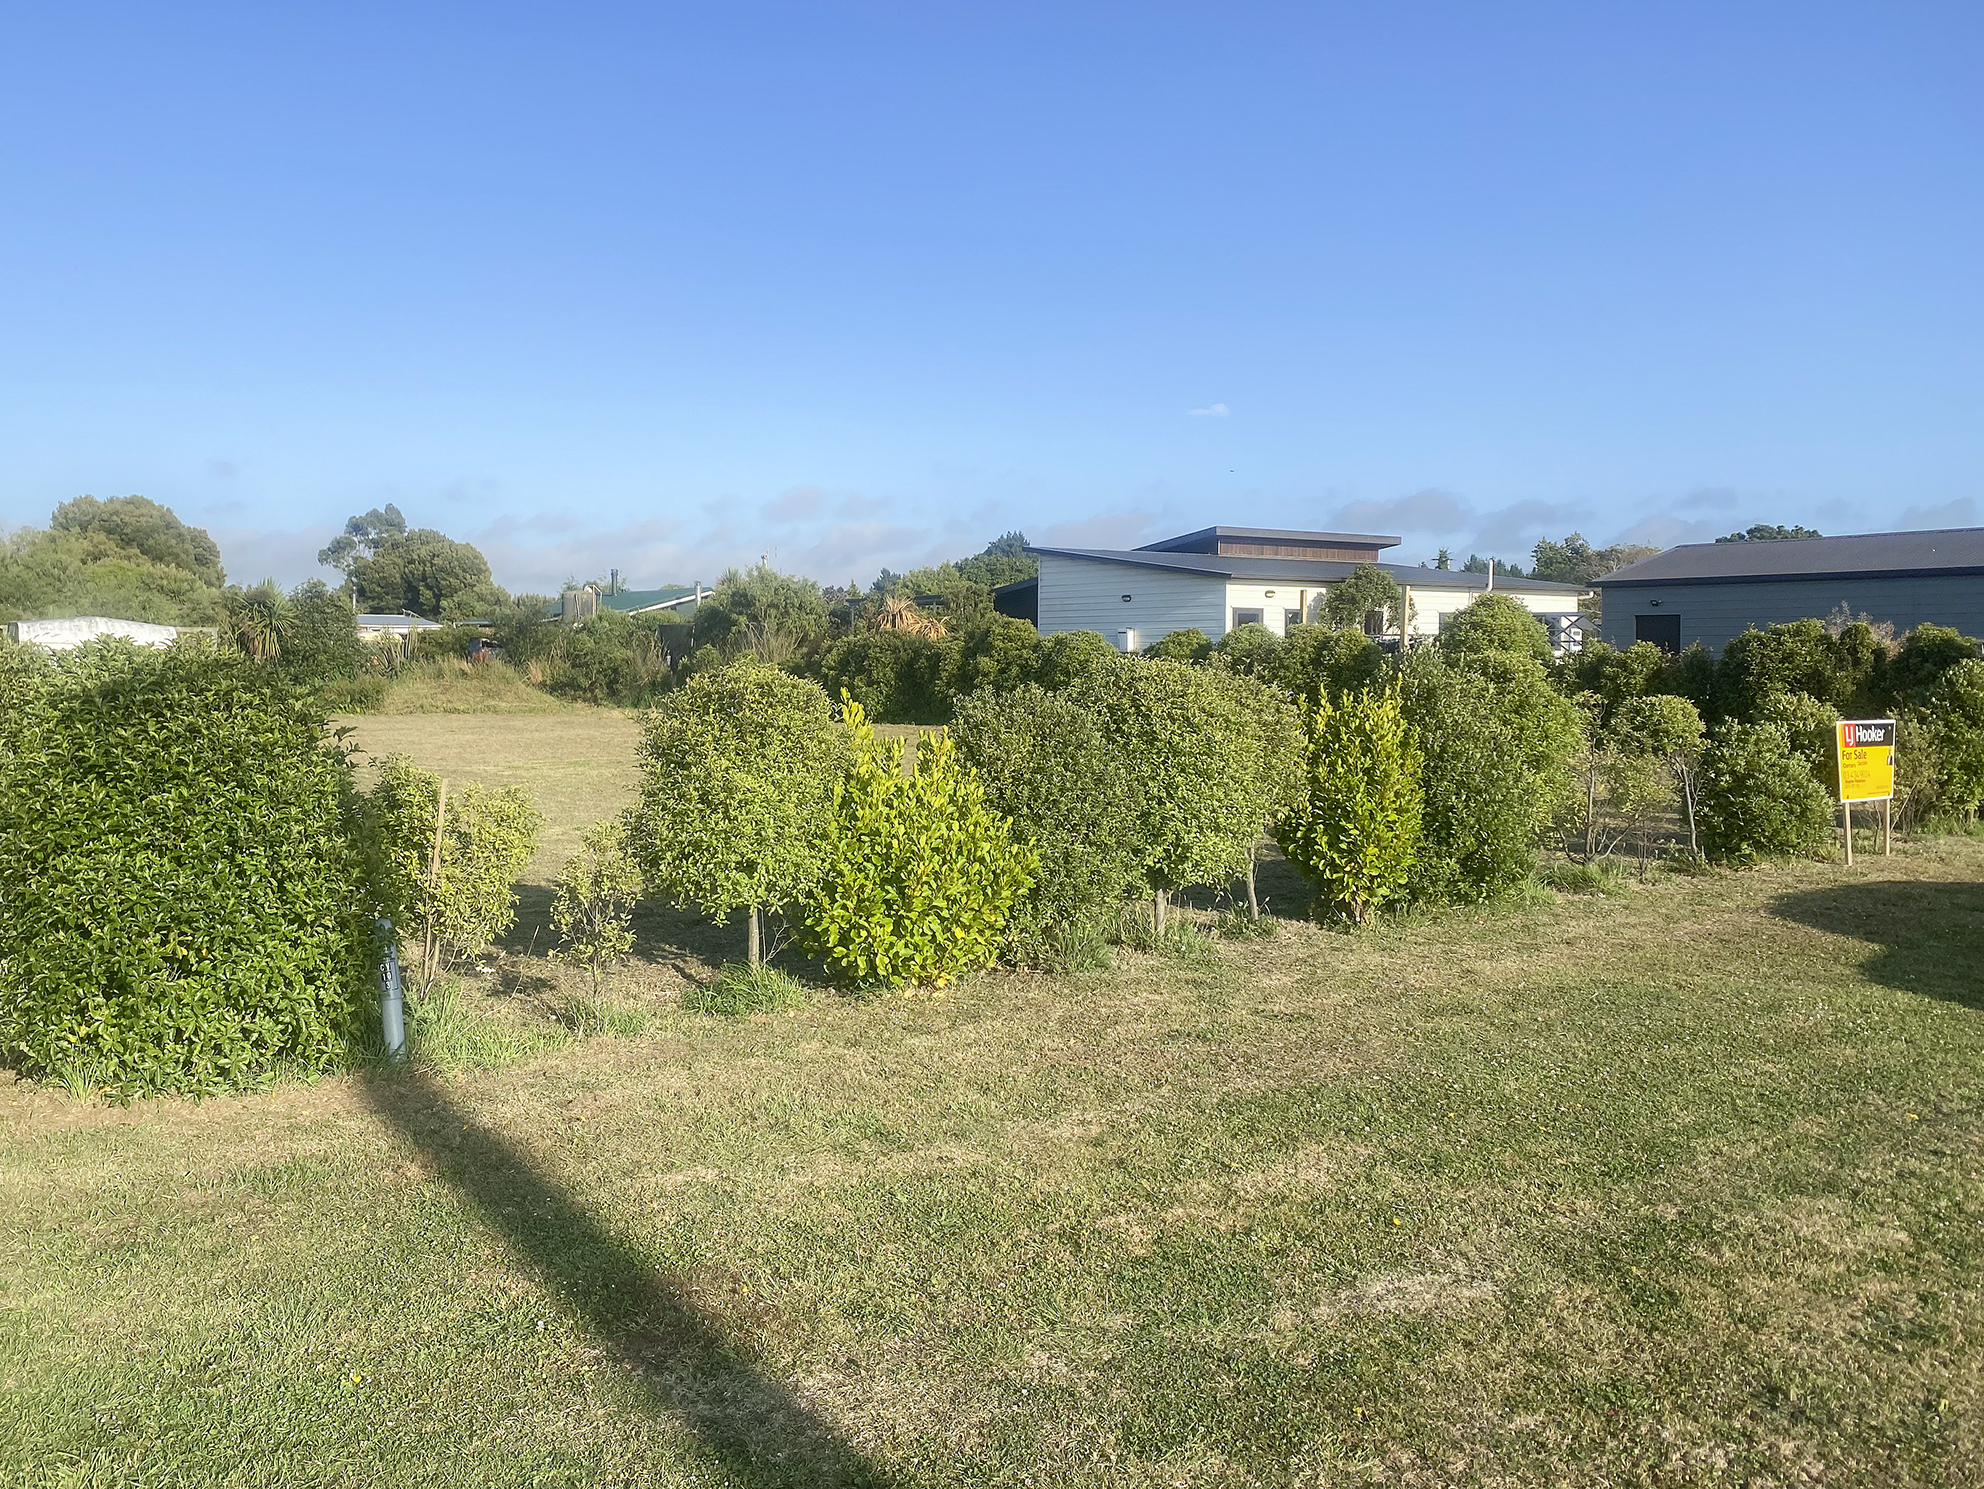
[
  {"x": 1290, "y": 619},
  {"x": 1249, "y": 618},
  {"x": 1664, "y": 631},
  {"x": 1374, "y": 622}
]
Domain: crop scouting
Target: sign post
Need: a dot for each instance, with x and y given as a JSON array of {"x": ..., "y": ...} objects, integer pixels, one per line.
[{"x": 1865, "y": 750}]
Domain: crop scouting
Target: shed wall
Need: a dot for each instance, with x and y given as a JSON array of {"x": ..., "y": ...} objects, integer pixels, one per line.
[{"x": 1713, "y": 612}]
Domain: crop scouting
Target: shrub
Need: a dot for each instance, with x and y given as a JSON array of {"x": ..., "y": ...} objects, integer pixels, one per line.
[
  {"x": 1357, "y": 833},
  {"x": 1181, "y": 646},
  {"x": 1800, "y": 657},
  {"x": 999, "y": 656},
  {"x": 1500, "y": 750},
  {"x": 1251, "y": 650},
  {"x": 1940, "y": 751},
  {"x": 898, "y": 676},
  {"x": 1921, "y": 659},
  {"x": 182, "y": 901},
  {"x": 352, "y": 695},
  {"x": 1808, "y": 724},
  {"x": 1316, "y": 662},
  {"x": 1072, "y": 658},
  {"x": 592, "y": 904},
  {"x": 487, "y": 839},
  {"x": 921, "y": 875},
  {"x": 1759, "y": 799},
  {"x": 607, "y": 658},
  {"x": 1206, "y": 755},
  {"x": 1047, "y": 766},
  {"x": 738, "y": 769},
  {"x": 1496, "y": 622}
]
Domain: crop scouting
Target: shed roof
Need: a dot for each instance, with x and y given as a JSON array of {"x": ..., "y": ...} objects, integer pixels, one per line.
[
  {"x": 1858, "y": 555},
  {"x": 1303, "y": 570},
  {"x": 634, "y": 600},
  {"x": 403, "y": 621}
]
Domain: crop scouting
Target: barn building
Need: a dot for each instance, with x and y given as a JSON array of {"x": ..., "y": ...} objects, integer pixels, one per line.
[
  {"x": 1219, "y": 578},
  {"x": 1712, "y": 592}
]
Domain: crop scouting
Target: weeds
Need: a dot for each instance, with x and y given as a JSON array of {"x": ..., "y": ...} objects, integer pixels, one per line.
[
  {"x": 1182, "y": 938},
  {"x": 445, "y": 1031},
  {"x": 738, "y": 991},
  {"x": 1601, "y": 876},
  {"x": 587, "y": 1016}
]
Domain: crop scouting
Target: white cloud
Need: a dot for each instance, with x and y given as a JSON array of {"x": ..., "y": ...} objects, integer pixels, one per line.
[
  {"x": 1110, "y": 530},
  {"x": 1959, "y": 513},
  {"x": 1216, "y": 411},
  {"x": 1428, "y": 511},
  {"x": 799, "y": 504}
]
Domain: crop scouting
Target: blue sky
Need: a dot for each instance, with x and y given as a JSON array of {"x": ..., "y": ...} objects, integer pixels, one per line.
[{"x": 670, "y": 287}]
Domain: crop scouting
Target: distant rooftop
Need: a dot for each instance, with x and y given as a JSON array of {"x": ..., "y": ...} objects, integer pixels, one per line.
[
  {"x": 1303, "y": 570},
  {"x": 1940, "y": 551},
  {"x": 1272, "y": 542}
]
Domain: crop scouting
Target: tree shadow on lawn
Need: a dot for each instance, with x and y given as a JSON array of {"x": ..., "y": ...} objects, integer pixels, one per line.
[
  {"x": 678, "y": 1349},
  {"x": 1932, "y": 931},
  {"x": 678, "y": 941}
]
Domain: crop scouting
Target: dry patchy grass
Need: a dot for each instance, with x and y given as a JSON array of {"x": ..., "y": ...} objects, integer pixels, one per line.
[{"x": 1678, "y": 1187}]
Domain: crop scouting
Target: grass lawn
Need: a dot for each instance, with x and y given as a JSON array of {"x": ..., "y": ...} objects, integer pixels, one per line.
[{"x": 1680, "y": 1187}]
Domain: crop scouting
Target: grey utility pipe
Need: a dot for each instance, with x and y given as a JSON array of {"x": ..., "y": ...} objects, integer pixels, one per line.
[{"x": 392, "y": 1004}]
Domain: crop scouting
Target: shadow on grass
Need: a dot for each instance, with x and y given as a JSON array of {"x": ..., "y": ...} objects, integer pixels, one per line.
[
  {"x": 693, "y": 1372},
  {"x": 1932, "y": 931},
  {"x": 678, "y": 940}
]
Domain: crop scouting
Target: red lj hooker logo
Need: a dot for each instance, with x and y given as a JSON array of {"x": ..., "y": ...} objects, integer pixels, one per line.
[{"x": 1868, "y": 736}]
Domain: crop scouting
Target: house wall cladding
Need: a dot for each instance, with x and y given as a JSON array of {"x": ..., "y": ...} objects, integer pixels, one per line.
[
  {"x": 1082, "y": 595},
  {"x": 1715, "y": 612}
]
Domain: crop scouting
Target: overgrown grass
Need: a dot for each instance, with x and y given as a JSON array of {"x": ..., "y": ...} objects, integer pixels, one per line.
[
  {"x": 450, "y": 1032},
  {"x": 443, "y": 685},
  {"x": 737, "y": 991}
]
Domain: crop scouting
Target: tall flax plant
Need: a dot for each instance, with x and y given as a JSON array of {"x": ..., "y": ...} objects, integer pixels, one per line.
[{"x": 1357, "y": 832}]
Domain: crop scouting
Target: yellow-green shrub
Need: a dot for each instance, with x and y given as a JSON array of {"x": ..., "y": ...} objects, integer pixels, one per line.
[{"x": 920, "y": 874}]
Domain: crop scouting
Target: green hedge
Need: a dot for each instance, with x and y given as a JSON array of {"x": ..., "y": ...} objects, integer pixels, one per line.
[{"x": 182, "y": 904}]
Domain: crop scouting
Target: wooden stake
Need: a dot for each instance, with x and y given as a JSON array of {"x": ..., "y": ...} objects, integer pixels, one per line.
[
  {"x": 434, "y": 880},
  {"x": 1846, "y": 807},
  {"x": 1887, "y": 828}
]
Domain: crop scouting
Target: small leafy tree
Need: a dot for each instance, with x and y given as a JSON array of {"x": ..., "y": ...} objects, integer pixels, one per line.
[
  {"x": 1048, "y": 766},
  {"x": 920, "y": 875},
  {"x": 461, "y": 904},
  {"x": 1190, "y": 740},
  {"x": 1658, "y": 741},
  {"x": 1759, "y": 799},
  {"x": 1501, "y": 749},
  {"x": 592, "y": 904},
  {"x": 738, "y": 770},
  {"x": 1365, "y": 589},
  {"x": 1357, "y": 833}
]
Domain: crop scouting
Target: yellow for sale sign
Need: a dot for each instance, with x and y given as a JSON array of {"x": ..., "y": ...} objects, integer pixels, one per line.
[{"x": 1866, "y": 759}]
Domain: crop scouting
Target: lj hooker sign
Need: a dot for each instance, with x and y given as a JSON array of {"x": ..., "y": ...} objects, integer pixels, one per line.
[{"x": 1866, "y": 759}]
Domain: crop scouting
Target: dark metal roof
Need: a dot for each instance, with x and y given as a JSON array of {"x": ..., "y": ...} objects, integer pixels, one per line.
[
  {"x": 1267, "y": 535},
  {"x": 1300, "y": 570},
  {"x": 1860, "y": 555}
]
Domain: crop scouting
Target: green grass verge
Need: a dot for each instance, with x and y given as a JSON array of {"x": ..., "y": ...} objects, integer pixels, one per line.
[{"x": 1683, "y": 1186}]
